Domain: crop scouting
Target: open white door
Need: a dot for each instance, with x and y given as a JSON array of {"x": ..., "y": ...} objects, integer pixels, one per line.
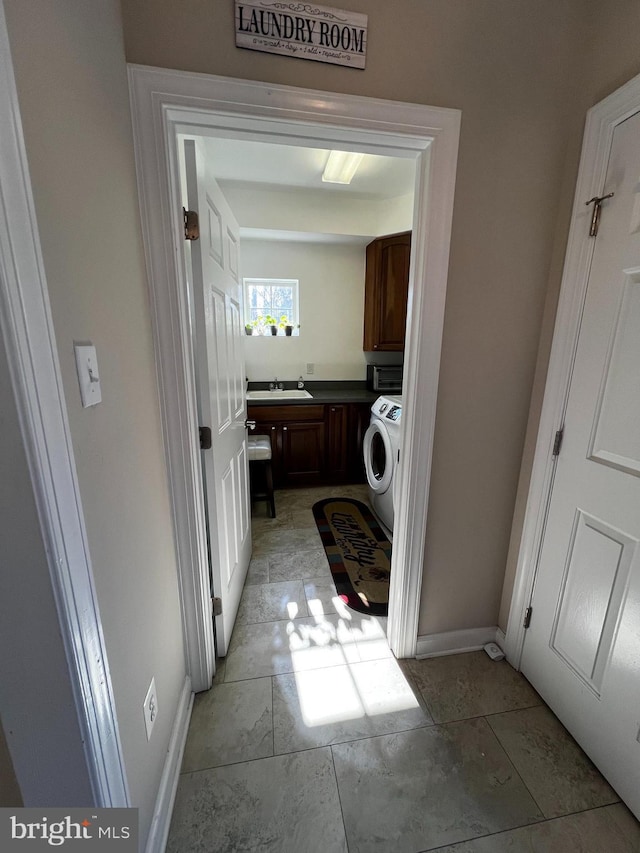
[
  {"x": 217, "y": 313},
  {"x": 582, "y": 649}
]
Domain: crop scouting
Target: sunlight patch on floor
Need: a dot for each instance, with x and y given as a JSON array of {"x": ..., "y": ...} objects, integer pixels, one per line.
[
  {"x": 317, "y": 607},
  {"x": 349, "y": 692},
  {"x": 334, "y": 681}
]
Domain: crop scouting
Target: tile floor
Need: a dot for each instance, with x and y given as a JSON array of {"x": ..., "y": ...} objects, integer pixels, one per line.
[{"x": 314, "y": 739}]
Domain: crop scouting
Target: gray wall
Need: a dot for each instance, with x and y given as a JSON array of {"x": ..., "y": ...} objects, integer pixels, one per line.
[
  {"x": 71, "y": 79},
  {"x": 608, "y": 59},
  {"x": 39, "y": 717},
  {"x": 509, "y": 65}
]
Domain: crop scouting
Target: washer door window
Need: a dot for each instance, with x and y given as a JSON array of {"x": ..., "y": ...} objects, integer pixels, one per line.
[{"x": 378, "y": 458}]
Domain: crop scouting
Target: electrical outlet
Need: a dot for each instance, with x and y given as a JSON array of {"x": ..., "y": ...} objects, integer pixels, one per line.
[
  {"x": 310, "y": 367},
  {"x": 150, "y": 708}
]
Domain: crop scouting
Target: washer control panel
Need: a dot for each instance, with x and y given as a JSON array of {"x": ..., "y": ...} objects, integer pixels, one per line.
[{"x": 394, "y": 413}]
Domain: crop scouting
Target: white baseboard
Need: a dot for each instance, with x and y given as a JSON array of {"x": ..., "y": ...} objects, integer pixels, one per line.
[
  {"x": 500, "y": 638},
  {"x": 456, "y": 642},
  {"x": 157, "y": 840}
]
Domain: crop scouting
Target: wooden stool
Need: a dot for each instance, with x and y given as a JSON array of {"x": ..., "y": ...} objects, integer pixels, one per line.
[{"x": 259, "y": 450}]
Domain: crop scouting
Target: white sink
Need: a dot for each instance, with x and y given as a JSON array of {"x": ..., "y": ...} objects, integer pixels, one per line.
[{"x": 279, "y": 395}]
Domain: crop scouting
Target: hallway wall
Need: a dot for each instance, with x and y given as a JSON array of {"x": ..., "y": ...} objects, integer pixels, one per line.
[
  {"x": 37, "y": 707},
  {"x": 609, "y": 59},
  {"x": 72, "y": 87},
  {"x": 509, "y": 65}
]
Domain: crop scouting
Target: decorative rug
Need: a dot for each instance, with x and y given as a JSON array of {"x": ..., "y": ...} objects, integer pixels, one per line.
[{"x": 358, "y": 551}]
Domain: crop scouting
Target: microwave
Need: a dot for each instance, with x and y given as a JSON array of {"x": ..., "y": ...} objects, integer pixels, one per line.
[{"x": 384, "y": 378}]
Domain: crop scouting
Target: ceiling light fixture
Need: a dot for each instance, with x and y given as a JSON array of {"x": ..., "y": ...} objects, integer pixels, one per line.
[{"x": 341, "y": 167}]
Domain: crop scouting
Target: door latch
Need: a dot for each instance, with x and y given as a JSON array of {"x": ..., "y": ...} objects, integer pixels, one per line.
[{"x": 205, "y": 438}]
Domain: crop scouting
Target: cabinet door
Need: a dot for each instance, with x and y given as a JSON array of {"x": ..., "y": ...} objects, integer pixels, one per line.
[
  {"x": 302, "y": 453},
  {"x": 386, "y": 290},
  {"x": 337, "y": 444}
]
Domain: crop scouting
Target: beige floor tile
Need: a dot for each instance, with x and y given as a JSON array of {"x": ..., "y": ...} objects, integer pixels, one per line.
[
  {"x": 258, "y": 571},
  {"x": 300, "y": 565},
  {"x": 370, "y": 635},
  {"x": 456, "y": 687},
  {"x": 428, "y": 787},
  {"x": 557, "y": 772},
  {"x": 285, "y": 804},
  {"x": 271, "y": 648},
  {"x": 322, "y": 598},
  {"x": 285, "y": 541},
  {"x": 596, "y": 831},
  {"x": 270, "y": 602},
  {"x": 229, "y": 723}
]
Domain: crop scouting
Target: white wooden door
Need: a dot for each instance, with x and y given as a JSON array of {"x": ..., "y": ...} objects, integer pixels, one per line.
[
  {"x": 219, "y": 325},
  {"x": 582, "y": 649}
]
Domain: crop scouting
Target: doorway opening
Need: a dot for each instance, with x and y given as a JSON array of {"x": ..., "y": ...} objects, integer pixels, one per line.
[
  {"x": 167, "y": 104},
  {"x": 296, "y": 234}
]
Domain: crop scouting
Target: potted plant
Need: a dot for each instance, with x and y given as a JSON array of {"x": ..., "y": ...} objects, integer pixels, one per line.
[
  {"x": 248, "y": 328},
  {"x": 283, "y": 322},
  {"x": 288, "y": 330},
  {"x": 271, "y": 321}
]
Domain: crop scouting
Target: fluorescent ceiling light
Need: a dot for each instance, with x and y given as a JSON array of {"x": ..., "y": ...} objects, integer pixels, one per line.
[{"x": 341, "y": 167}]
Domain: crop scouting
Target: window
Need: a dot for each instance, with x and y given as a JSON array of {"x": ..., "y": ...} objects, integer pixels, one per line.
[{"x": 270, "y": 298}]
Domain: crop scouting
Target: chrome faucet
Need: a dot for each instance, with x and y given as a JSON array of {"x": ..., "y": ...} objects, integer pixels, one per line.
[{"x": 276, "y": 386}]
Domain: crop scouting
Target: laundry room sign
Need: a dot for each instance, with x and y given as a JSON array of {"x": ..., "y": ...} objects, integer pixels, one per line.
[{"x": 303, "y": 30}]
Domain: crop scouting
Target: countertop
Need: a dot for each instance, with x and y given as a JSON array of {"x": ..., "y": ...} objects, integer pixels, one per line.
[{"x": 322, "y": 393}]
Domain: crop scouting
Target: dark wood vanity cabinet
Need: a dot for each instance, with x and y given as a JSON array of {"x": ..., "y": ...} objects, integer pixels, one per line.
[
  {"x": 314, "y": 445},
  {"x": 386, "y": 290},
  {"x": 302, "y": 454},
  {"x": 297, "y": 442}
]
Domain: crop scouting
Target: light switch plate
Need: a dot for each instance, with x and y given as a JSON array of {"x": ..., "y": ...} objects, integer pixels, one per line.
[{"x": 88, "y": 376}]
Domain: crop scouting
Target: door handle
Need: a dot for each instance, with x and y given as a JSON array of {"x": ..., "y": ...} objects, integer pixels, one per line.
[{"x": 249, "y": 424}]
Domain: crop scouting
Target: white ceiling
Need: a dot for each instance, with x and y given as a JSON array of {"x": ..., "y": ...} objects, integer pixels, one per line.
[{"x": 240, "y": 162}]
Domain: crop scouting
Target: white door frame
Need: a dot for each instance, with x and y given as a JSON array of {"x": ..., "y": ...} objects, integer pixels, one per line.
[
  {"x": 165, "y": 102},
  {"x": 27, "y": 328},
  {"x": 601, "y": 123}
]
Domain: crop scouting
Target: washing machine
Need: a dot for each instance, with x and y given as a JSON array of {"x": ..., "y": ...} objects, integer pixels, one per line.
[{"x": 381, "y": 448}]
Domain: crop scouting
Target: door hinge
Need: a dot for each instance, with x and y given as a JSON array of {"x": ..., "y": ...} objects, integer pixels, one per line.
[
  {"x": 557, "y": 442},
  {"x": 527, "y": 617},
  {"x": 191, "y": 224},
  {"x": 596, "y": 201},
  {"x": 216, "y": 606},
  {"x": 205, "y": 438}
]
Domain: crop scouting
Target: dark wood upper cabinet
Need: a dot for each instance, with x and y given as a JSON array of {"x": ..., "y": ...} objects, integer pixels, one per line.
[{"x": 386, "y": 290}]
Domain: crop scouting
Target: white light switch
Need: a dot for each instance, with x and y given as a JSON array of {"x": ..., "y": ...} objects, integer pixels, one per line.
[{"x": 88, "y": 376}]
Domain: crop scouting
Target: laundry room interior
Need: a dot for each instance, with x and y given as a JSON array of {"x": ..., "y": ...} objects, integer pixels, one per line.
[{"x": 327, "y": 237}]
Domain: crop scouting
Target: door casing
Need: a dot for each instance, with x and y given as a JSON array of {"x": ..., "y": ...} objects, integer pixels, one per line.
[
  {"x": 602, "y": 120},
  {"x": 166, "y": 103}
]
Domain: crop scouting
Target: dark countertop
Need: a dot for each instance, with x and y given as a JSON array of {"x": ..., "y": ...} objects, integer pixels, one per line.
[{"x": 322, "y": 393}]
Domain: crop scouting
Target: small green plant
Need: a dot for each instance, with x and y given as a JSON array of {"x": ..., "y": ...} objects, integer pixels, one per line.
[{"x": 284, "y": 321}]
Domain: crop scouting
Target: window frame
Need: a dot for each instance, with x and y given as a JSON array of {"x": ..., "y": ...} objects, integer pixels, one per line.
[{"x": 294, "y": 283}]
